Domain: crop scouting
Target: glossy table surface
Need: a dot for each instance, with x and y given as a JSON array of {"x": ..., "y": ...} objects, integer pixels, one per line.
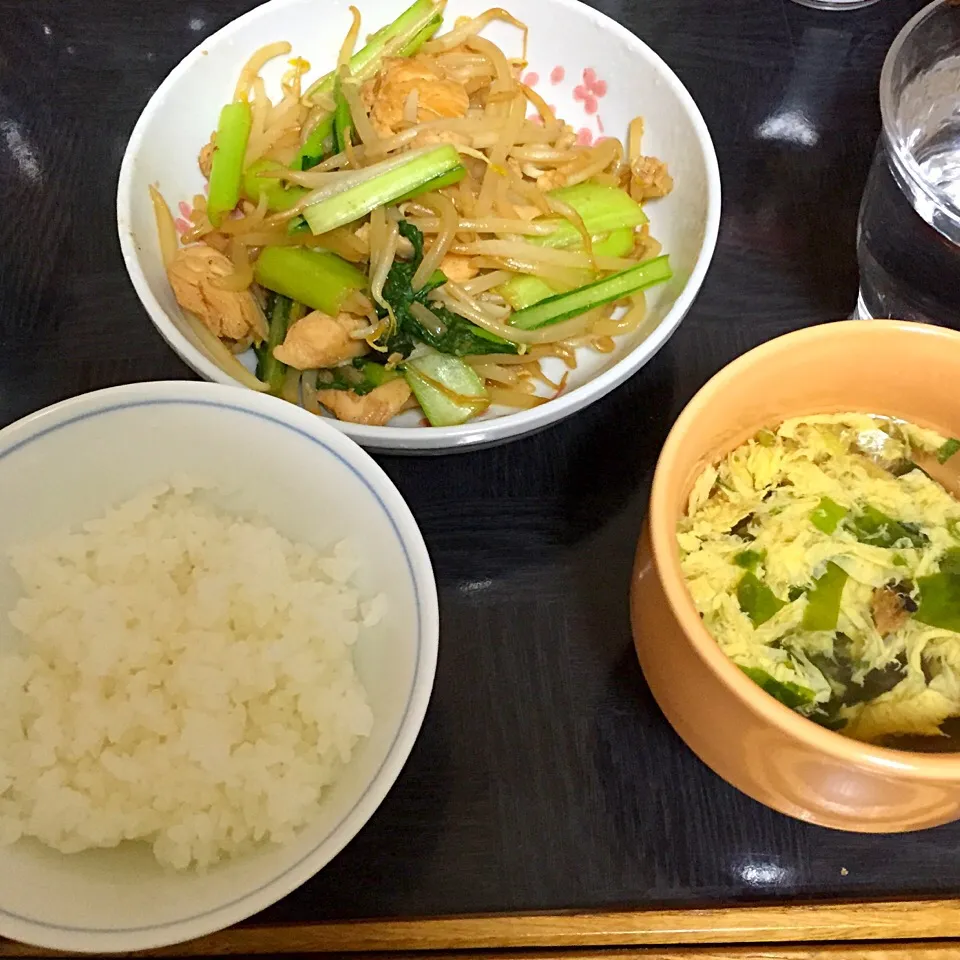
[{"x": 545, "y": 777}]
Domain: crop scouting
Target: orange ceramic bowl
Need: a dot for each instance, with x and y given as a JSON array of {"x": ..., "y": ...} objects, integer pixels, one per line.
[{"x": 906, "y": 370}]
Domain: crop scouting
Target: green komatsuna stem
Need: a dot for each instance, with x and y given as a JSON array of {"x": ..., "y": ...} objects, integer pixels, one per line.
[
  {"x": 596, "y": 294},
  {"x": 226, "y": 170},
  {"x": 380, "y": 189}
]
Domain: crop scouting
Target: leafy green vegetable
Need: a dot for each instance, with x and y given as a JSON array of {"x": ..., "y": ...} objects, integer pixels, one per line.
[
  {"x": 874, "y": 527},
  {"x": 609, "y": 215},
  {"x": 750, "y": 559},
  {"x": 766, "y": 438},
  {"x": 409, "y": 48},
  {"x": 460, "y": 337},
  {"x": 342, "y": 121},
  {"x": 318, "y": 144},
  {"x": 756, "y": 599},
  {"x": 795, "y": 593},
  {"x": 823, "y": 600},
  {"x": 790, "y": 694},
  {"x": 226, "y": 170},
  {"x": 602, "y": 208},
  {"x": 380, "y": 184},
  {"x": 524, "y": 290},
  {"x": 280, "y": 196},
  {"x": 448, "y": 390},
  {"x": 318, "y": 278},
  {"x": 401, "y": 38},
  {"x": 574, "y": 302},
  {"x": 948, "y": 449},
  {"x": 376, "y": 373},
  {"x": 361, "y": 376},
  {"x": 953, "y": 528},
  {"x": 343, "y": 378},
  {"x": 950, "y": 560},
  {"x": 940, "y": 600},
  {"x": 826, "y": 516},
  {"x": 437, "y": 183},
  {"x": 281, "y": 312}
]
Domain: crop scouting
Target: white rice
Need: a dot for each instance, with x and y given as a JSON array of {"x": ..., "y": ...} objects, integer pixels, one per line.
[{"x": 183, "y": 677}]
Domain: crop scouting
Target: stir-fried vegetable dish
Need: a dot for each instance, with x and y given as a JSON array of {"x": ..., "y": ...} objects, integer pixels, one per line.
[
  {"x": 825, "y": 560},
  {"x": 415, "y": 229}
]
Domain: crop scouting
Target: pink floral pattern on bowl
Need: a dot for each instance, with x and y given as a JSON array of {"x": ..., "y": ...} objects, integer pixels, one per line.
[
  {"x": 589, "y": 92},
  {"x": 183, "y": 222}
]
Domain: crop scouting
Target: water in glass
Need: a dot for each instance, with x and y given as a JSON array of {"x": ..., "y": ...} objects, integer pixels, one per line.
[{"x": 908, "y": 242}]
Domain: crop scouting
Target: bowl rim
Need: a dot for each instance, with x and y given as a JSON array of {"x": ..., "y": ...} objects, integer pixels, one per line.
[
  {"x": 278, "y": 414},
  {"x": 441, "y": 439},
  {"x": 666, "y": 560}
]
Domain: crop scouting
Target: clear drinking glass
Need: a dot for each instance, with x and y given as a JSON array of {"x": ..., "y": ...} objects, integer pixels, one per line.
[
  {"x": 908, "y": 240},
  {"x": 836, "y": 4}
]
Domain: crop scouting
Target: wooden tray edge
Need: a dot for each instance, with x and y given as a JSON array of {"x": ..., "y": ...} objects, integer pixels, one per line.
[{"x": 889, "y": 920}]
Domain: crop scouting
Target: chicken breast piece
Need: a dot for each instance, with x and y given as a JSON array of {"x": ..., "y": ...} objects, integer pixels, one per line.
[
  {"x": 229, "y": 314},
  {"x": 458, "y": 269},
  {"x": 319, "y": 340},
  {"x": 386, "y": 95},
  {"x": 374, "y": 409},
  {"x": 205, "y": 160},
  {"x": 891, "y": 608},
  {"x": 650, "y": 179},
  {"x": 551, "y": 180}
]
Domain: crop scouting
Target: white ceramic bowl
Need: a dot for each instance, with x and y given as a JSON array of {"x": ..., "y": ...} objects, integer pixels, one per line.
[
  {"x": 74, "y": 460},
  {"x": 624, "y": 79}
]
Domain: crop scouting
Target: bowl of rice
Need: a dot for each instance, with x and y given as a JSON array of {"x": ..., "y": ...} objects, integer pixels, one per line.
[{"x": 218, "y": 638}]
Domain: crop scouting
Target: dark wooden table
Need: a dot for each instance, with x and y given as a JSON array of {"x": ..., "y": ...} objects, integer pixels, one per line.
[{"x": 545, "y": 779}]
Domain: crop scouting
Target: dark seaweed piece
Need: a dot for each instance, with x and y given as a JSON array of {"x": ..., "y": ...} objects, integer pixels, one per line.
[
  {"x": 904, "y": 590},
  {"x": 837, "y": 670},
  {"x": 946, "y": 742},
  {"x": 878, "y": 681},
  {"x": 828, "y": 717},
  {"x": 900, "y": 468},
  {"x": 741, "y": 528}
]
